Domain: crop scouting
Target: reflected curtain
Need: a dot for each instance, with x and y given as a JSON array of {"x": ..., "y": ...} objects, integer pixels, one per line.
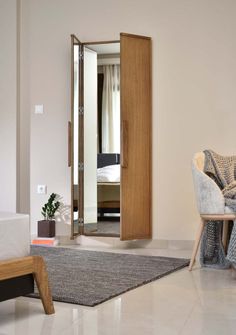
[{"x": 111, "y": 109}]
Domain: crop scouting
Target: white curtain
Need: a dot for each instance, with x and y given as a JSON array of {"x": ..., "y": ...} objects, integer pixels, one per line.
[{"x": 111, "y": 109}]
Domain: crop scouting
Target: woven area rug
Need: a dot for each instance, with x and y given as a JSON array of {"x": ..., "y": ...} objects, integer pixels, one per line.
[{"x": 91, "y": 277}]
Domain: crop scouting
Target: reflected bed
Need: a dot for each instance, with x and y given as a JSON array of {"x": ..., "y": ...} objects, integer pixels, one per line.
[{"x": 108, "y": 183}]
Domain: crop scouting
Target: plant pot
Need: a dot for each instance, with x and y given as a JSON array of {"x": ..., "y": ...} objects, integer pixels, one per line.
[{"x": 46, "y": 228}]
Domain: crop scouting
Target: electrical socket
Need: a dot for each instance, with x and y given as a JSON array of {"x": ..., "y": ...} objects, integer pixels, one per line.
[
  {"x": 42, "y": 189},
  {"x": 38, "y": 109}
]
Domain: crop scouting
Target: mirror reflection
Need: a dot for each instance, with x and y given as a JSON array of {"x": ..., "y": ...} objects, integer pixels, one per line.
[
  {"x": 102, "y": 139},
  {"x": 75, "y": 137}
]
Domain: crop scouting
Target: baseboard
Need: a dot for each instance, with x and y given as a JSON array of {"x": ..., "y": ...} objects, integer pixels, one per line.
[
  {"x": 170, "y": 244},
  {"x": 114, "y": 242}
]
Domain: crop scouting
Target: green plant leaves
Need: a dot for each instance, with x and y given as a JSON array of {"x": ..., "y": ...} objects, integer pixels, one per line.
[{"x": 49, "y": 209}]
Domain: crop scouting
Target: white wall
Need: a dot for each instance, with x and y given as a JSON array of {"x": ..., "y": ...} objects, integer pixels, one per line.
[
  {"x": 8, "y": 104},
  {"x": 194, "y": 79}
]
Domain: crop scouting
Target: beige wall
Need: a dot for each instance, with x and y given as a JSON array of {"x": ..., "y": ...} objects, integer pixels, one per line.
[
  {"x": 23, "y": 158},
  {"x": 194, "y": 80},
  {"x": 14, "y": 117},
  {"x": 8, "y": 106}
]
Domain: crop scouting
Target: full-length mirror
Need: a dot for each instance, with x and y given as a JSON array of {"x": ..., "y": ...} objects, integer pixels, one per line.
[{"x": 102, "y": 139}]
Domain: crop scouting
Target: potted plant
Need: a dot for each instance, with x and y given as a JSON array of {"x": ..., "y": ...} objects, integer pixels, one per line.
[{"x": 46, "y": 227}]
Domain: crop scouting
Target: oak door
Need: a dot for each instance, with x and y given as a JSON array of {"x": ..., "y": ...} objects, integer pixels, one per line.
[{"x": 135, "y": 137}]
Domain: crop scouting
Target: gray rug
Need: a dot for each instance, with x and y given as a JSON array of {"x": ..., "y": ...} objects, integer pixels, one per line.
[{"x": 92, "y": 277}]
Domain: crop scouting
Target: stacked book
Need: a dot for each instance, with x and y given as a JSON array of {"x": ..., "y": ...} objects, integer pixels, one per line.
[{"x": 47, "y": 241}]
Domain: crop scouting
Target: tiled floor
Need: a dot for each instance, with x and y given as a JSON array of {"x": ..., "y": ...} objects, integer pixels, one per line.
[{"x": 185, "y": 303}]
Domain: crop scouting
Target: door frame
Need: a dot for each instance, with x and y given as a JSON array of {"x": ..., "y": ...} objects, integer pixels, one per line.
[{"x": 79, "y": 201}]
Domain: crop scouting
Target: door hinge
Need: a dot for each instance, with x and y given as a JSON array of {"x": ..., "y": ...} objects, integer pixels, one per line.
[
  {"x": 81, "y": 166},
  {"x": 81, "y": 221},
  {"x": 81, "y": 56},
  {"x": 81, "y": 110}
]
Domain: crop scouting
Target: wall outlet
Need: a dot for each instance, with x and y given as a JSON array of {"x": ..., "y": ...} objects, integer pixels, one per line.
[
  {"x": 42, "y": 189},
  {"x": 38, "y": 109}
]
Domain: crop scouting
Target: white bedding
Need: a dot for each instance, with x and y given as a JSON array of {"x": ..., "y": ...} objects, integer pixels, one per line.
[
  {"x": 14, "y": 235},
  {"x": 109, "y": 174}
]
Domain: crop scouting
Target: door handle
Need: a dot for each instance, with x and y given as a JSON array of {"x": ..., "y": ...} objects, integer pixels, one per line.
[
  {"x": 69, "y": 144},
  {"x": 124, "y": 144}
]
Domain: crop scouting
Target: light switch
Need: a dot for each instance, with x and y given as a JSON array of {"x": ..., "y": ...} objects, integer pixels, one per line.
[
  {"x": 42, "y": 189},
  {"x": 38, "y": 109}
]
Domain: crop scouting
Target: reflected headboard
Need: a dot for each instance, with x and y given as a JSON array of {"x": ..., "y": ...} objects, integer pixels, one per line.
[{"x": 107, "y": 159}]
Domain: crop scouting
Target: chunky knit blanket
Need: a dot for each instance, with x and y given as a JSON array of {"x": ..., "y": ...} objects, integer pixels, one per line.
[{"x": 223, "y": 171}]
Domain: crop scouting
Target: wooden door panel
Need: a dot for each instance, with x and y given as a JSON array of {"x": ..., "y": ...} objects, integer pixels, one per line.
[{"x": 135, "y": 137}]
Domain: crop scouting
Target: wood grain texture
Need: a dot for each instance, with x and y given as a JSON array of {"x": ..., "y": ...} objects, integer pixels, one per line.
[
  {"x": 135, "y": 36},
  {"x": 225, "y": 235},
  {"x": 41, "y": 279},
  {"x": 32, "y": 264},
  {"x": 196, "y": 244},
  {"x": 136, "y": 112},
  {"x": 216, "y": 217},
  {"x": 69, "y": 144},
  {"x": 109, "y": 204},
  {"x": 124, "y": 143}
]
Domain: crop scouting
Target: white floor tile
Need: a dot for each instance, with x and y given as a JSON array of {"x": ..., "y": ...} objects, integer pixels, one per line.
[
  {"x": 201, "y": 302},
  {"x": 25, "y": 316}
]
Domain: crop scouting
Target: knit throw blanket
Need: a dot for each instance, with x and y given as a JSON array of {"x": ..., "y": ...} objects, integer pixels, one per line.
[{"x": 223, "y": 171}]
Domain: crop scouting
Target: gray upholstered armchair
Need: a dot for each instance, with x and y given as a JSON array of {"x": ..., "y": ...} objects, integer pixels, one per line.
[{"x": 210, "y": 202}]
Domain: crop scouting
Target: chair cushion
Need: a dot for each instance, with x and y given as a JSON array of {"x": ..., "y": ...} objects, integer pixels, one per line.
[
  {"x": 210, "y": 199},
  {"x": 228, "y": 210},
  {"x": 14, "y": 235}
]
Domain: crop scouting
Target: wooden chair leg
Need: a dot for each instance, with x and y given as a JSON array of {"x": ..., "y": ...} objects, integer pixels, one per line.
[
  {"x": 31, "y": 264},
  {"x": 196, "y": 244},
  {"x": 41, "y": 279},
  {"x": 225, "y": 235}
]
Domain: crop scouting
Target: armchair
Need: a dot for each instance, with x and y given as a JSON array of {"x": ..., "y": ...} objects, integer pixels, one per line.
[{"x": 210, "y": 203}]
